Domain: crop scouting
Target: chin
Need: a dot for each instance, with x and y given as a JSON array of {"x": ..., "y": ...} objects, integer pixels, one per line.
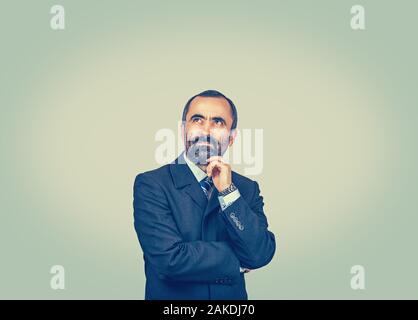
[{"x": 200, "y": 156}]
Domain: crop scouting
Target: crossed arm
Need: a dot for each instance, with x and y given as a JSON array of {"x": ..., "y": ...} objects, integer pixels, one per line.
[{"x": 200, "y": 261}]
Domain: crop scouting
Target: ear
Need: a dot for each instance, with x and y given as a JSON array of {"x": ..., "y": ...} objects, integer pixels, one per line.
[{"x": 232, "y": 136}]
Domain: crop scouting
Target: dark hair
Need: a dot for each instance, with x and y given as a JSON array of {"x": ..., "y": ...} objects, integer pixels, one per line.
[{"x": 216, "y": 94}]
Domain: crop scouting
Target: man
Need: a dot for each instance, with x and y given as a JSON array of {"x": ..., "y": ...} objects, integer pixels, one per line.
[{"x": 201, "y": 225}]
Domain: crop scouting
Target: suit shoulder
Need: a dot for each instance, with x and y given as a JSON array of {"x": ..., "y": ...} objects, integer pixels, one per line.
[
  {"x": 239, "y": 178},
  {"x": 155, "y": 175}
]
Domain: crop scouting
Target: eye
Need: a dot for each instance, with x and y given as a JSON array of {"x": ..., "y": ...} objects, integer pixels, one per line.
[
  {"x": 219, "y": 123},
  {"x": 197, "y": 120}
]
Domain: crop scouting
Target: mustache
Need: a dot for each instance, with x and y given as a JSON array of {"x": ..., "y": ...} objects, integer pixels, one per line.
[
  {"x": 208, "y": 139},
  {"x": 200, "y": 153}
]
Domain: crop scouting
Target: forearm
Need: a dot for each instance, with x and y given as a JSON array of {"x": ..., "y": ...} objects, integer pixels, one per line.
[{"x": 253, "y": 244}]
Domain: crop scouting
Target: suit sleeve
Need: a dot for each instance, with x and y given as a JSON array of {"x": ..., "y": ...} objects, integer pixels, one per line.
[
  {"x": 163, "y": 247},
  {"x": 247, "y": 226}
]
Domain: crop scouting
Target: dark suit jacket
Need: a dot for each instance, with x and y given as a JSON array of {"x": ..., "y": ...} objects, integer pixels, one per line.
[{"x": 193, "y": 249}]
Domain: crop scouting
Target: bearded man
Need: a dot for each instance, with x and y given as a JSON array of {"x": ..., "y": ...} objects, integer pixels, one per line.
[{"x": 201, "y": 226}]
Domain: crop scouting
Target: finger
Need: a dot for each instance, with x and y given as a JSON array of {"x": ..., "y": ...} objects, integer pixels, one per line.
[
  {"x": 214, "y": 158},
  {"x": 209, "y": 169},
  {"x": 211, "y": 166}
]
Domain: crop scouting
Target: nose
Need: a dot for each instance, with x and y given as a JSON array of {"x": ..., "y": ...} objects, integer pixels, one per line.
[{"x": 206, "y": 128}]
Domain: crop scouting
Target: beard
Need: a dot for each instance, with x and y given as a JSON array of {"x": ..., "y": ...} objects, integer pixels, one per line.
[{"x": 200, "y": 148}]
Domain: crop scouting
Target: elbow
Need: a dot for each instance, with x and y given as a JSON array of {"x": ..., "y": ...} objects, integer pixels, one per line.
[
  {"x": 260, "y": 258},
  {"x": 259, "y": 261}
]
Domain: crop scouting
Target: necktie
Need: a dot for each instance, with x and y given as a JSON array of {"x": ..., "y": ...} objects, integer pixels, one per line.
[{"x": 206, "y": 185}]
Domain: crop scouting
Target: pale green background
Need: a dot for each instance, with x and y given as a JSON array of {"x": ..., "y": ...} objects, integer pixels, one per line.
[{"x": 80, "y": 109}]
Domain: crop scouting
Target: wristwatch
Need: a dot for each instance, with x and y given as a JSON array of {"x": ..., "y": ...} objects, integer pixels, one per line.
[{"x": 228, "y": 190}]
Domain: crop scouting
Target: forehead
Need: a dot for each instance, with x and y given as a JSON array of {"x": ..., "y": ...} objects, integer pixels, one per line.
[{"x": 211, "y": 107}]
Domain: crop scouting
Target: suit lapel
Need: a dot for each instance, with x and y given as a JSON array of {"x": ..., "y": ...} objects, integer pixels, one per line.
[
  {"x": 183, "y": 178},
  {"x": 196, "y": 193}
]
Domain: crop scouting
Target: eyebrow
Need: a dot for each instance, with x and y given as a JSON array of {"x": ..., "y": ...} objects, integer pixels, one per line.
[{"x": 197, "y": 115}]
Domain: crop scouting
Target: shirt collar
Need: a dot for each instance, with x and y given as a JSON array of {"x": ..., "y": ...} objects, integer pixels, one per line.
[{"x": 198, "y": 173}]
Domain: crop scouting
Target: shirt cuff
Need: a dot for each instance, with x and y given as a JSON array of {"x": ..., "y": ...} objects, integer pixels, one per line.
[{"x": 226, "y": 201}]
